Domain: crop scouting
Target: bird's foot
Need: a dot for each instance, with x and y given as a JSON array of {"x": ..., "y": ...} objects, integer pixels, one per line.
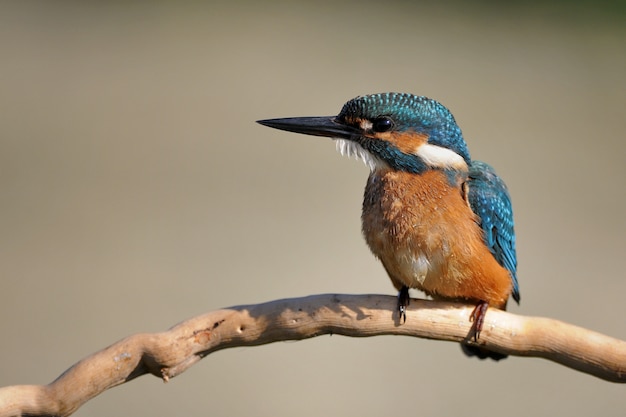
[
  {"x": 478, "y": 318},
  {"x": 403, "y": 302}
]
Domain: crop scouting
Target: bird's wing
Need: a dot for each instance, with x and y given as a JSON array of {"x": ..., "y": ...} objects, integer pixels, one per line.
[{"x": 489, "y": 199}]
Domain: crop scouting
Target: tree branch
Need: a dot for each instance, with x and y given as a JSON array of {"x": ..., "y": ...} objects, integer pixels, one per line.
[{"x": 170, "y": 353}]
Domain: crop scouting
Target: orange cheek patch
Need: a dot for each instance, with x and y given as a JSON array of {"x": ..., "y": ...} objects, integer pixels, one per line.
[{"x": 407, "y": 142}]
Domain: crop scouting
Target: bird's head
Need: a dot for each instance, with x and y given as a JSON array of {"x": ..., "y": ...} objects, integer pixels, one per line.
[{"x": 390, "y": 130}]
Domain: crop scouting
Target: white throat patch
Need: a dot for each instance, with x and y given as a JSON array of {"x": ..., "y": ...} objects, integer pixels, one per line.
[{"x": 352, "y": 149}]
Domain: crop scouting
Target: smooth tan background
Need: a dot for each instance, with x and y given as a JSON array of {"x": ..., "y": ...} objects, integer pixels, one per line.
[{"x": 137, "y": 191}]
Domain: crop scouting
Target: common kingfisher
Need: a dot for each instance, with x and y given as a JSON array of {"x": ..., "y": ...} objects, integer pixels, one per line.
[{"x": 439, "y": 221}]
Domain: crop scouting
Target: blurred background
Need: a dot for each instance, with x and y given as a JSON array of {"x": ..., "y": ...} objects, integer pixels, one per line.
[{"x": 136, "y": 191}]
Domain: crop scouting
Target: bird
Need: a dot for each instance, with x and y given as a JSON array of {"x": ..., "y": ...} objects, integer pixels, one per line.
[{"x": 438, "y": 221}]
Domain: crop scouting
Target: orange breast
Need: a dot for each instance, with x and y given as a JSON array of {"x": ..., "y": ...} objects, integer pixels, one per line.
[{"x": 427, "y": 237}]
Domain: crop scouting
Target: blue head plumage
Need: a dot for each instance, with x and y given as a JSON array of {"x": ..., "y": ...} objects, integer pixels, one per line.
[{"x": 409, "y": 112}]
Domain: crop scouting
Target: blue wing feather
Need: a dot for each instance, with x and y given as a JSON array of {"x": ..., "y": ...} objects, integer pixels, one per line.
[{"x": 490, "y": 201}]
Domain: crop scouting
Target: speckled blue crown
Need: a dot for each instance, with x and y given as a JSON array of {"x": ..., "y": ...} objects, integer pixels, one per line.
[{"x": 411, "y": 112}]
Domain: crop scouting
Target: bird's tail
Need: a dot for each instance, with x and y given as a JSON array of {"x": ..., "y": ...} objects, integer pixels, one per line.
[{"x": 482, "y": 353}]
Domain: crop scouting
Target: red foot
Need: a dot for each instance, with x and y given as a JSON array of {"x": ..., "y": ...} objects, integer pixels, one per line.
[
  {"x": 403, "y": 302},
  {"x": 478, "y": 317}
]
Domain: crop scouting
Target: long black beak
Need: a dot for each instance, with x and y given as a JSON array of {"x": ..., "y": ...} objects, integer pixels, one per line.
[{"x": 316, "y": 126}]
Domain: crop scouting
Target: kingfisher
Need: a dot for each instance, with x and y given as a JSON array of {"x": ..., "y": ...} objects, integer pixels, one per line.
[{"x": 438, "y": 221}]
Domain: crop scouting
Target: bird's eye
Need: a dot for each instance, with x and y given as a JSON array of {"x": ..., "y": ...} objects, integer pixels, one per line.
[{"x": 382, "y": 124}]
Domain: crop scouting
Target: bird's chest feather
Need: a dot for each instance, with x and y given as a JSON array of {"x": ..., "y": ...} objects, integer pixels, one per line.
[{"x": 421, "y": 228}]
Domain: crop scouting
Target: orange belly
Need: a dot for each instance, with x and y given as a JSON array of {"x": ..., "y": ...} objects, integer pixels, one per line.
[{"x": 428, "y": 238}]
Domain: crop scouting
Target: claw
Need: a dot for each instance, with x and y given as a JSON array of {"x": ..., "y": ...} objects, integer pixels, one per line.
[
  {"x": 478, "y": 317},
  {"x": 403, "y": 302}
]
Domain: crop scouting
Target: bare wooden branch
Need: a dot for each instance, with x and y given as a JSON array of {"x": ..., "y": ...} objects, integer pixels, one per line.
[{"x": 170, "y": 353}]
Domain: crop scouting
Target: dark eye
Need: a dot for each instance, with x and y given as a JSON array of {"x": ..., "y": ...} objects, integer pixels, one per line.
[{"x": 382, "y": 124}]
